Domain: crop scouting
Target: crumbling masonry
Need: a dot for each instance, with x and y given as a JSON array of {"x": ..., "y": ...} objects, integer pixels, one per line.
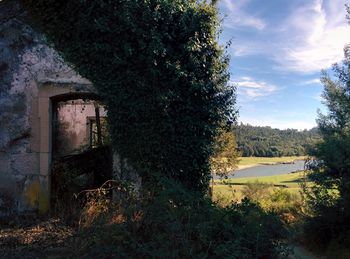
[{"x": 32, "y": 76}]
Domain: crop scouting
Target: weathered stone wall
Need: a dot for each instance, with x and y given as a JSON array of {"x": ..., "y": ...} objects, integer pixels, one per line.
[{"x": 26, "y": 63}]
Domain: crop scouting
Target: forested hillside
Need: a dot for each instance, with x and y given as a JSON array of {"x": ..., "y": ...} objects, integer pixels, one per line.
[{"x": 266, "y": 141}]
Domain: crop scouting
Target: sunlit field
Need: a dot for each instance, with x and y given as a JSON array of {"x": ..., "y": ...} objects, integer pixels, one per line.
[{"x": 231, "y": 189}]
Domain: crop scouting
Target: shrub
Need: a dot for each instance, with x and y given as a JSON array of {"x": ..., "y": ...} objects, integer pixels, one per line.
[
  {"x": 256, "y": 190},
  {"x": 182, "y": 224},
  {"x": 278, "y": 200},
  {"x": 283, "y": 201}
]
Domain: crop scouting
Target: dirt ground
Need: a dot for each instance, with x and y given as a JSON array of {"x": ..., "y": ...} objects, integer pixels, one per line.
[{"x": 45, "y": 239}]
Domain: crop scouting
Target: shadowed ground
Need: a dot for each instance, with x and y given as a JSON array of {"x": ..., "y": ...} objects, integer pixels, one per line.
[{"x": 46, "y": 239}]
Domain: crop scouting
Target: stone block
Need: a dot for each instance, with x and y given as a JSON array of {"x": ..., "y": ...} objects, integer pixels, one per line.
[
  {"x": 4, "y": 164},
  {"x": 24, "y": 164},
  {"x": 8, "y": 196}
]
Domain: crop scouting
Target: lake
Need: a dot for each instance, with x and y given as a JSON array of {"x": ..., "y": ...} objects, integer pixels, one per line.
[{"x": 268, "y": 170}]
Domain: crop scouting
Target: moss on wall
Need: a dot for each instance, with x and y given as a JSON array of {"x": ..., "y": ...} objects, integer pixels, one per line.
[{"x": 37, "y": 197}]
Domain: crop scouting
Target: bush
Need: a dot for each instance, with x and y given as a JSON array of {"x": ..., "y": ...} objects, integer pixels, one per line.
[
  {"x": 283, "y": 201},
  {"x": 278, "y": 200},
  {"x": 257, "y": 191},
  {"x": 326, "y": 227},
  {"x": 182, "y": 224}
]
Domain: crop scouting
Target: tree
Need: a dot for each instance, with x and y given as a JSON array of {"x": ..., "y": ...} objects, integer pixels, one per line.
[
  {"x": 225, "y": 157},
  {"x": 266, "y": 141},
  {"x": 329, "y": 198},
  {"x": 160, "y": 71}
]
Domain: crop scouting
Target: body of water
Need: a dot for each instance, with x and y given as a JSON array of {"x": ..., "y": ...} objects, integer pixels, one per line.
[{"x": 268, "y": 170}]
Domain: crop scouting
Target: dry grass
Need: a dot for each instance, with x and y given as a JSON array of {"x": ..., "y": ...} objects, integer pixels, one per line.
[{"x": 231, "y": 190}]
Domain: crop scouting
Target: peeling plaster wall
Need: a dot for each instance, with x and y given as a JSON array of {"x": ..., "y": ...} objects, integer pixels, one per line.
[
  {"x": 26, "y": 62},
  {"x": 28, "y": 67}
]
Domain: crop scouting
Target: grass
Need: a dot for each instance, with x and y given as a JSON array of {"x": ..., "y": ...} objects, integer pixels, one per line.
[
  {"x": 231, "y": 189},
  {"x": 254, "y": 161},
  {"x": 290, "y": 180},
  {"x": 234, "y": 190}
]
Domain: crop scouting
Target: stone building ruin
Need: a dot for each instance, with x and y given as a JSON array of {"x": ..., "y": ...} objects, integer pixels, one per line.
[{"x": 46, "y": 110}]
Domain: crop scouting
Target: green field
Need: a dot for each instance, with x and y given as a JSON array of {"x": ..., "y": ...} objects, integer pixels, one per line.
[
  {"x": 254, "y": 161},
  {"x": 232, "y": 188}
]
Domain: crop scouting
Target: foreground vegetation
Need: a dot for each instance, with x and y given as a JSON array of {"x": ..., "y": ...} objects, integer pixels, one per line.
[{"x": 180, "y": 224}]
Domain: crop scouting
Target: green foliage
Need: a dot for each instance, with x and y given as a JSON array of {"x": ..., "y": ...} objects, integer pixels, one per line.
[
  {"x": 225, "y": 157},
  {"x": 269, "y": 142},
  {"x": 181, "y": 224},
  {"x": 329, "y": 199},
  {"x": 284, "y": 201},
  {"x": 274, "y": 199},
  {"x": 256, "y": 190},
  {"x": 159, "y": 70}
]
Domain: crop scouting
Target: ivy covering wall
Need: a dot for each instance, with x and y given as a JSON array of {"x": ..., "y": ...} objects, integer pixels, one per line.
[{"x": 160, "y": 71}]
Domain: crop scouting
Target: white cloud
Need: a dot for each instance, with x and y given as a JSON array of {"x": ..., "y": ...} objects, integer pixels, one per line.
[
  {"x": 236, "y": 16},
  {"x": 315, "y": 35},
  {"x": 239, "y": 50},
  {"x": 280, "y": 124},
  {"x": 311, "y": 82},
  {"x": 312, "y": 37},
  {"x": 249, "y": 88}
]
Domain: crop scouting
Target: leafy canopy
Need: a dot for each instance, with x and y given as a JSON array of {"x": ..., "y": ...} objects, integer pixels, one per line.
[
  {"x": 160, "y": 71},
  {"x": 225, "y": 157},
  {"x": 329, "y": 198},
  {"x": 333, "y": 153},
  {"x": 328, "y": 226}
]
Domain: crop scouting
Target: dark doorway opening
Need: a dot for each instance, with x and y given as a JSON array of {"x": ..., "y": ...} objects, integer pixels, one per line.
[{"x": 81, "y": 153}]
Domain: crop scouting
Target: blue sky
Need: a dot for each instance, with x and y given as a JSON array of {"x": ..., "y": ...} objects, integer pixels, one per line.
[{"x": 278, "y": 49}]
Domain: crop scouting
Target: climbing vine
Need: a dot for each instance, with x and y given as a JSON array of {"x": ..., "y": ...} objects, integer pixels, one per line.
[{"x": 159, "y": 70}]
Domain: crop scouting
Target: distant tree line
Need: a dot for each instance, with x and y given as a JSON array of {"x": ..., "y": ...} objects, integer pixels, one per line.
[{"x": 269, "y": 142}]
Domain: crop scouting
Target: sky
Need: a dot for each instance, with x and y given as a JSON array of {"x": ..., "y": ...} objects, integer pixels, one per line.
[{"x": 278, "y": 49}]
